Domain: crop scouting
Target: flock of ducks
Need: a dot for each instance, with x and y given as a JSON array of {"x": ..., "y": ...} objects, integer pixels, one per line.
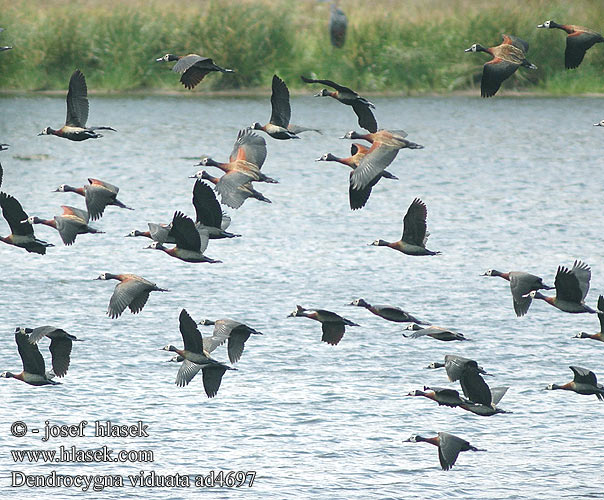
[{"x": 190, "y": 238}]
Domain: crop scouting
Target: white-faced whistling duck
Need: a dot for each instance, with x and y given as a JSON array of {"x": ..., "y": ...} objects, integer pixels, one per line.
[
  {"x": 332, "y": 324},
  {"x": 385, "y": 147},
  {"x": 34, "y": 370},
  {"x": 413, "y": 241},
  {"x": 277, "y": 127},
  {"x": 156, "y": 232},
  {"x": 584, "y": 382},
  {"x": 236, "y": 333},
  {"x": 571, "y": 288},
  {"x": 469, "y": 375},
  {"x": 98, "y": 195},
  {"x": 337, "y": 26},
  {"x": 360, "y": 105},
  {"x": 521, "y": 284},
  {"x": 234, "y": 188},
  {"x": 22, "y": 235},
  {"x": 449, "y": 447},
  {"x": 193, "y": 68},
  {"x": 579, "y": 39},
  {"x": 189, "y": 243},
  {"x": 209, "y": 215},
  {"x": 599, "y": 124},
  {"x": 210, "y": 219},
  {"x": 61, "y": 343},
  {"x": 69, "y": 224},
  {"x": 436, "y": 332},
  {"x": 391, "y": 313},
  {"x": 358, "y": 196},
  {"x": 442, "y": 395},
  {"x": 456, "y": 366},
  {"x": 77, "y": 113},
  {"x": 485, "y": 410},
  {"x": 2, "y": 49},
  {"x": 132, "y": 291},
  {"x": 247, "y": 157},
  {"x": 450, "y": 397},
  {"x": 507, "y": 58},
  {"x": 600, "y": 335},
  {"x": 196, "y": 358}
]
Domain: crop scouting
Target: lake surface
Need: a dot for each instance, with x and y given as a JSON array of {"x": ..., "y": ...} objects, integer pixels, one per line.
[{"x": 510, "y": 184}]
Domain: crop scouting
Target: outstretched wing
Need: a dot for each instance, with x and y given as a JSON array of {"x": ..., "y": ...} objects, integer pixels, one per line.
[
  {"x": 281, "y": 110},
  {"x": 77, "y": 101}
]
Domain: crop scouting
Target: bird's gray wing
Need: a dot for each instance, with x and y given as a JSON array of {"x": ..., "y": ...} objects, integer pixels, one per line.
[
  {"x": 32, "y": 359},
  {"x": 249, "y": 147},
  {"x": 281, "y": 110},
  {"x": 212, "y": 377},
  {"x": 414, "y": 223},
  {"x": 372, "y": 165},
  {"x": 186, "y": 372},
  {"x": 60, "y": 350},
  {"x": 77, "y": 101}
]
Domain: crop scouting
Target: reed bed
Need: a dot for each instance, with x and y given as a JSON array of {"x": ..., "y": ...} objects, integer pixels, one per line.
[{"x": 404, "y": 46}]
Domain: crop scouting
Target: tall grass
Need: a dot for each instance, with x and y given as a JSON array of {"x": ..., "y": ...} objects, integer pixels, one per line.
[{"x": 409, "y": 46}]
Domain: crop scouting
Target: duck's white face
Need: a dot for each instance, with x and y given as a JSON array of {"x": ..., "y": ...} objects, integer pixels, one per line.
[
  {"x": 46, "y": 131},
  {"x": 61, "y": 188},
  {"x": 325, "y": 157},
  {"x": 29, "y": 220},
  {"x": 102, "y": 276},
  {"x": 166, "y": 348},
  {"x": 546, "y": 24},
  {"x": 489, "y": 273},
  {"x": 4, "y": 375},
  {"x": 473, "y": 48}
]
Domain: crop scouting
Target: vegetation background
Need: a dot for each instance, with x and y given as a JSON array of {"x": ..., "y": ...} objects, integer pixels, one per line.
[{"x": 402, "y": 46}]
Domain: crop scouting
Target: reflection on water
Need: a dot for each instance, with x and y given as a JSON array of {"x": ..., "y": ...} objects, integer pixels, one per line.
[{"x": 509, "y": 185}]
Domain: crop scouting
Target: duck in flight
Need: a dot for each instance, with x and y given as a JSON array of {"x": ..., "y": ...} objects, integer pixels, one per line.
[
  {"x": 77, "y": 113},
  {"x": 361, "y": 106}
]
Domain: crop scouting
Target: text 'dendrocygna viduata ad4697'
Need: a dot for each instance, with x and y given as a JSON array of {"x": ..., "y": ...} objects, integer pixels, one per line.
[
  {"x": 132, "y": 291},
  {"x": 333, "y": 325},
  {"x": 196, "y": 358},
  {"x": 415, "y": 235},
  {"x": 578, "y": 41},
  {"x": 507, "y": 58},
  {"x": 192, "y": 68},
  {"x": 521, "y": 284},
  {"x": 449, "y": 447},
  {"x": 98, "y": 195},
  {"x": 77, "y": 113}
]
